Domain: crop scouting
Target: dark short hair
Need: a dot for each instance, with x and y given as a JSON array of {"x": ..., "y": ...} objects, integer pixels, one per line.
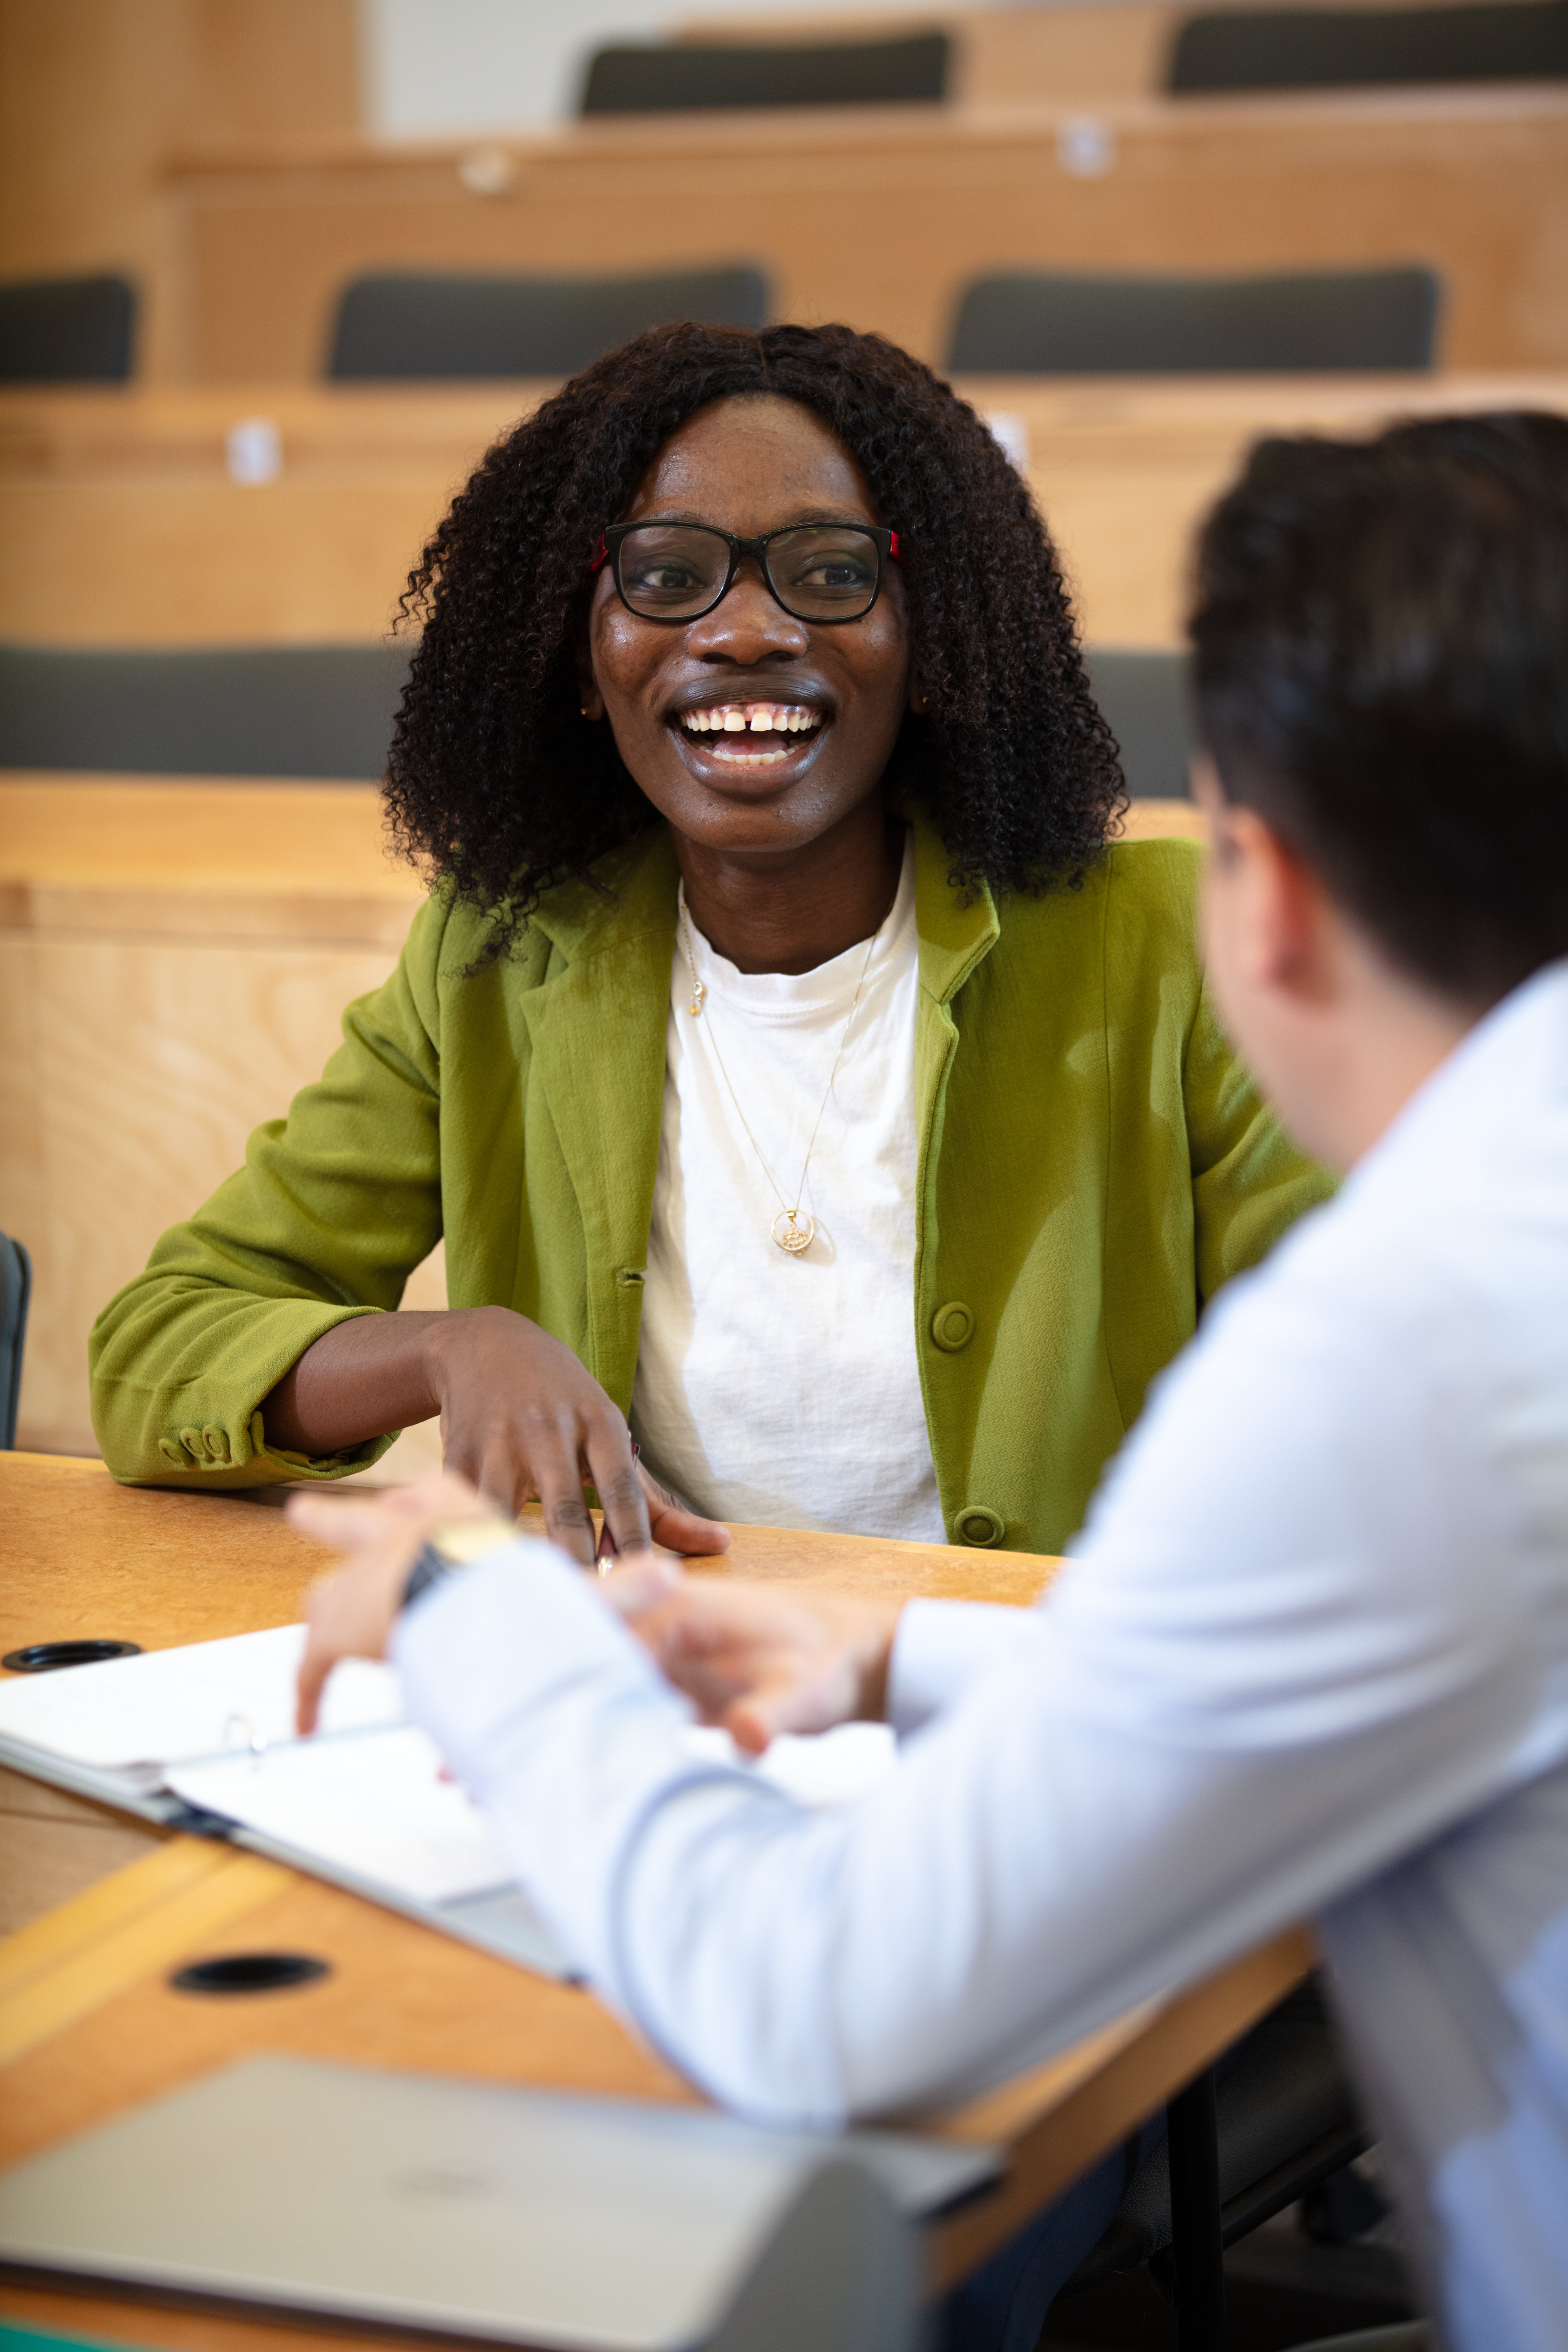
[
  {"x": 1381, "y": 641},
  {"x": 495, "y": 780}
]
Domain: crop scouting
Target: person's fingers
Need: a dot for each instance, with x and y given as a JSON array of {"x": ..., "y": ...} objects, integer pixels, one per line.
[
  {"x": 558, "y": 1476},
  {"x": 639, "y": 1582},
  {"x": 349, "y": 1523},
  {"x": 787, "y": 1704},
  {"x": 613, "y": 1467},
  {"x": 675, "y": 1525},
  {"x": 314, "y": 1667}
]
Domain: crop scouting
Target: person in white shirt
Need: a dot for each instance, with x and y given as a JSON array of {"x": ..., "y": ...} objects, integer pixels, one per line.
[{"x": 1311, "y": 1658}]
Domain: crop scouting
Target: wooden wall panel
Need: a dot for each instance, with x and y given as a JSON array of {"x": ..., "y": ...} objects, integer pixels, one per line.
[
  {"x": 174, "y": 964},
  {"x": 882, "y": 216},
  {"x": 126, "y": 530},
  {"x": 95, "y": 94}
]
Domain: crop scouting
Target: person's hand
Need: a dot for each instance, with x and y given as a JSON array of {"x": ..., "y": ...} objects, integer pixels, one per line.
[
  {"x": 759, "y": 1659},
  {"x": 350, "y": 1612},
  {"x": 520, "y": 1417}
]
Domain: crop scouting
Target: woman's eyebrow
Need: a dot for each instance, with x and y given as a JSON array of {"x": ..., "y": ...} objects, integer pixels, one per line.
[{"x": 824, "y": 512}]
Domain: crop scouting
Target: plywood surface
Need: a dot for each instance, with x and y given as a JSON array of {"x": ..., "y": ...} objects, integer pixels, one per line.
[
  {"x": 126, "y": 529},
  {"x": 201, "y": 858}
]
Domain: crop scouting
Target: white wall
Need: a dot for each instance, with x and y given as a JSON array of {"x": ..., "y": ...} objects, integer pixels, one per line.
[{"x": 435, "y": 67}]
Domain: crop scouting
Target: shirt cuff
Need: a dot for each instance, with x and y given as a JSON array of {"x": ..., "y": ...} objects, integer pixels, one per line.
[{"x": 941, "y": 1646}]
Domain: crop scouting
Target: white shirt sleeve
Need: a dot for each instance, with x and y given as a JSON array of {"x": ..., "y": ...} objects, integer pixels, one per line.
[
  {"x": 1259, "y": 1682},
  {"x": 942, "y": 1646}
]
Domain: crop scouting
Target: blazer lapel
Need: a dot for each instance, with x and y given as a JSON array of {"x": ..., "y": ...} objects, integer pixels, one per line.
[{"x": 597, "y": 1028}]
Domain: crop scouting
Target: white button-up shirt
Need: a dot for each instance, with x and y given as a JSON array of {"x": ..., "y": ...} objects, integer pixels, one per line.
[{"x": 1310, "y": 1659}]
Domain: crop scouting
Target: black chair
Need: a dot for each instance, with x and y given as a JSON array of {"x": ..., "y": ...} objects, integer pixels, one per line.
[
  {"x": 67, "y": 330},
  {"x": 15, "y": 1288},
  {"x": 401, "y": 326},
  {"x": 257, "y": 710},
  {"x": 1144, "y": 699},
  {"x": 1339, "y": 48},
  {"x": 1047, "y": 323},
  {"x": 685, "y": 76},
  {"x": 1274, "y": 2118}
]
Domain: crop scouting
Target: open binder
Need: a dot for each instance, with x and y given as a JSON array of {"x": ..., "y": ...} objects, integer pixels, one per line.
[{"x": 202, "y": 1737}]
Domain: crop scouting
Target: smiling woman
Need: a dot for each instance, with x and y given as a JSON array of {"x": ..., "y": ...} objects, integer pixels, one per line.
[{"x": 800, "y": 1075}]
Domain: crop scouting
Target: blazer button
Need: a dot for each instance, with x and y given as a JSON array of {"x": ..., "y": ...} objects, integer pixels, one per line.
[
  {"x": 952, "y": 1326},
  {"x": 978, "y": 1526}
]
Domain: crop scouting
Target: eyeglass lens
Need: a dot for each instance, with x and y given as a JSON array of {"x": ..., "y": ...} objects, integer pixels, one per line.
[{"x": 823, "y": 572}]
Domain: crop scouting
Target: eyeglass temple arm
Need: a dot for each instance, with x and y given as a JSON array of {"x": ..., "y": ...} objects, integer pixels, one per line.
[{"x": 895, "y": 552}]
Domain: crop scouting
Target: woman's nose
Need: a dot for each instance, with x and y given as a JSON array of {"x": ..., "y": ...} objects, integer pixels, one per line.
[{"x": 747, "y": 624}]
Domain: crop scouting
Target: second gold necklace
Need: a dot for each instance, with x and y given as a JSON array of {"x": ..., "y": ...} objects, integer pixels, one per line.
[{"x": 793, "y": 1229}]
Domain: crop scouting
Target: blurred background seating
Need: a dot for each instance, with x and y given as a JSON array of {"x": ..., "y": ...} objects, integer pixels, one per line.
[
  {"x": 67, "y": 330},
  {"x": 1340, "y": 49},
  {"x": 397, "y": 324},
  {"x": 646, "y": 80},
  {"x": 252, "y": 710},
  {"x": 1033, "y": 322}
]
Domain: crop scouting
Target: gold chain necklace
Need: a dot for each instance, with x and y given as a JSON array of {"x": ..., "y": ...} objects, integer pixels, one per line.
[{"x": 798, "y": 1230}]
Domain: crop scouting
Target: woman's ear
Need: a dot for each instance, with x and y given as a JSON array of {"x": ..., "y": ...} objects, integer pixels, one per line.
[
  {"x": 590, "y": 701},
  {"x": 919, "y": 701}
]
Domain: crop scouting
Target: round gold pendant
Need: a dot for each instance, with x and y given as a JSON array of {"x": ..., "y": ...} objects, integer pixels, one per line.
[{"x": 797, "y": 1234}]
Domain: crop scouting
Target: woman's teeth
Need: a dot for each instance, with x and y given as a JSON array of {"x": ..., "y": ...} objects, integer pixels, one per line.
[{"x": 750, "y": 718}]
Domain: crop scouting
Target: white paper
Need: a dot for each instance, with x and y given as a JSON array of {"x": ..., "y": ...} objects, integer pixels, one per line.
[
  {"x": 199, "y": 1700},
  {"x": 379, "y": 1806}
]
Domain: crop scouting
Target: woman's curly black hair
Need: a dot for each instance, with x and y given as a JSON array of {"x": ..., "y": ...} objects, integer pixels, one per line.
[{"x": 494, "y": 779}]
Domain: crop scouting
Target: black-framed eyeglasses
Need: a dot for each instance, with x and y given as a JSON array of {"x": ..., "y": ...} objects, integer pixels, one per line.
[{"x": 666, "y": 570}]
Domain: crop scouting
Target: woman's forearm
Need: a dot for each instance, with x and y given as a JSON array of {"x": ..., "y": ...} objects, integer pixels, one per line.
[{"x": 360, "y": 1380}]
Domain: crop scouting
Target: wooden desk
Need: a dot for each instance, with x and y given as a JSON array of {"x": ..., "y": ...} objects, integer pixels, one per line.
[
  {"x": 175, "y": 959},
  {"x": 87, "y": 1559},
  {"x": 880, "y": 216},
  {"x": 124, "y": 526},
  {"x": 89, "y": 2023}
]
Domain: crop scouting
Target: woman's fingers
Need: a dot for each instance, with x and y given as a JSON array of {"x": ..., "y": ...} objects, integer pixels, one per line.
[
  {"x": 556, "y": 1471},
  {"x": 613, "y": 1467},
  {"x": 675, "y": 1525}
]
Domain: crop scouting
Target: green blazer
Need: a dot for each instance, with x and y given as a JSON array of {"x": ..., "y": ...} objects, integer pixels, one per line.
[{"x": 1093, "y": 1164}]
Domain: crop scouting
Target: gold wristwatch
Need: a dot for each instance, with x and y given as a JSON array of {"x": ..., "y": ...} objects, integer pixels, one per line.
[{"x": 452, "y": 1545}]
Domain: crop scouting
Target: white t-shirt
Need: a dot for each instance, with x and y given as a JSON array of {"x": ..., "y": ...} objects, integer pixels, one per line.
[{"x": 778, "y": 1390}]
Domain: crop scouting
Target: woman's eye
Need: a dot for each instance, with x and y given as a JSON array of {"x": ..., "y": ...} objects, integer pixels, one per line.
[
  {"x": 662, "y": 578},
  {"x": 836, "y": 572}
]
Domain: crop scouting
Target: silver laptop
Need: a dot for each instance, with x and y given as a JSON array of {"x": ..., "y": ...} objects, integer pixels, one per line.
[{"x": 522, "y": 2216}]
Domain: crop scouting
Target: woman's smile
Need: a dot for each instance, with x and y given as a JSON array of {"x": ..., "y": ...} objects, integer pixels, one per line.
[{"x": 777, "y": 739}]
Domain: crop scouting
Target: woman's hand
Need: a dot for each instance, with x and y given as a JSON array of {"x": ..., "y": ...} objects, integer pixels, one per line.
[
  {"x": 760, "y": 1659},
  {"x": 519, "y": 1417}
]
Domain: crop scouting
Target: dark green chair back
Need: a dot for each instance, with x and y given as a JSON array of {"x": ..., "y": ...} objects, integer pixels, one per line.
[
  {"x": 1039, "y": 322},
  {"x": 67, "y": 330},
  {"x": 15, "y": 1287},
  {"x": 397, "y": 326},
  {"x": 682, "y": 77},
  {"x": 1340, "y": 49},
  {"x": 254, "y": 710}
]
